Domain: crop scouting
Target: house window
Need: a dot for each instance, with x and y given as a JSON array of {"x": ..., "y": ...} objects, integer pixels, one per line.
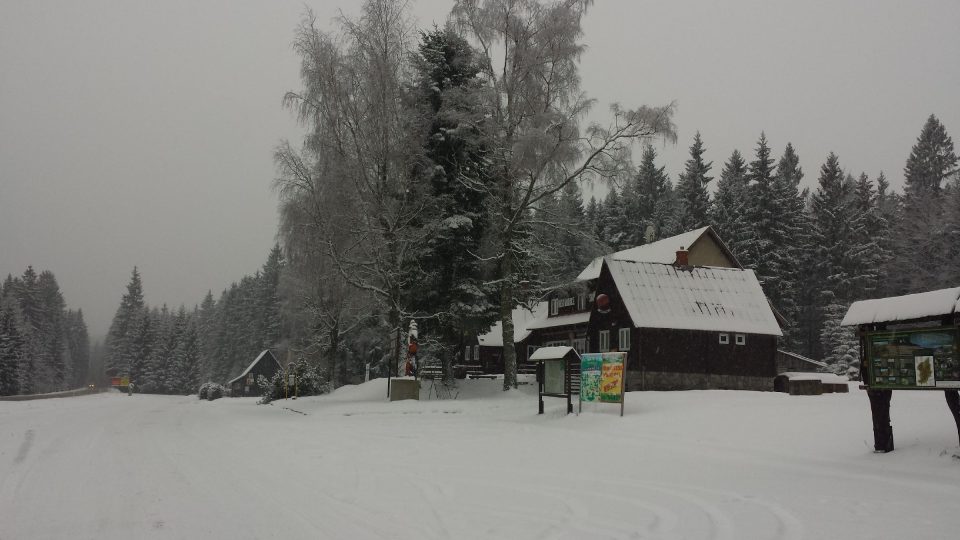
[
  {"x": 466, "y": 354},
  {"x": 476, "y": 353},
  {"x": 741, "y": 339},
  {"x": 623, "y": 340},
  {"x": 604, "y": 340},
  {"x": 553, "y": 306},
  {"x": 580, "y": 345},
  {"x": 581, "y": 302},
  {"x": 724, "y": 339}
]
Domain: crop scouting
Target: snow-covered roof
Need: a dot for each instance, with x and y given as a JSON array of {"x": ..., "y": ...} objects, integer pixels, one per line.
[
  {"x": 522, "y": 318},
  {"x": 903, "y": 308},
  {"x": 259, "y": 357},
  {"x": 694, "y": 298},
  {"x": 550, "y": 353},
  {"x": 662, "y": 251},
  {"x": 561, "y": 320}
]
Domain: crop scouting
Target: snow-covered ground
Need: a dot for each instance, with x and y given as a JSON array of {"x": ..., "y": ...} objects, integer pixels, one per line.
[{"x": 701, "y": 464}]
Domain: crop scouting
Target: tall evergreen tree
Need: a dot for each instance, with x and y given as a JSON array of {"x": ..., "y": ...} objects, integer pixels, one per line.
[
  {"x": 729, "y": 214},
  {"x": 692, "y": 189},
  {"x": 121, "y": 345},
  {"x": 932, "y": 160},
  {"x": 836, "y": 237},
  {"x": 794, "y": 250},
  {"x": 12, "y": 345},
  {"x": 652, "y": 217}
]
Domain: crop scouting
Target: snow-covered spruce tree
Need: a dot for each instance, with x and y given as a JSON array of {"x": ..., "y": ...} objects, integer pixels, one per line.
[
  {"x": 454, "y": 299},
  {"x": 12, "y": 344},
  {"x": 729, "y": 212},
  {"x": 206, "y": 330},
  {"x": 185, "y": 374},
  {"x": 119, "y": 344},
  {"x": 653, "y": 215},
  {"x": 793, "y": 246},
  {"x": 951, "y": 232},
  {"x": 53, "y": 373},
  {"x": 267, "y": 300},
  {"x": 837, "y": 231},
  {"x": 610, "y": 224},
  {"x": 692, "y": 189},
  {"x": 920, "y": 258},
  {"x": 529, "y": 53},
  {"x": 78, "y": 347},
  {"x": 760, "y": 247}
]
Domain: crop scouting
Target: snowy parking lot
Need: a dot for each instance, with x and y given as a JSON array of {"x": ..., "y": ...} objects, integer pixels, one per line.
[{"x": 696, "y": 464}]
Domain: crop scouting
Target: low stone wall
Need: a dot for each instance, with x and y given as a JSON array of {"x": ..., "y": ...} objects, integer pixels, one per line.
[
  {"x": 67, "y": 393},
  {"x": 657, "y": 380}
]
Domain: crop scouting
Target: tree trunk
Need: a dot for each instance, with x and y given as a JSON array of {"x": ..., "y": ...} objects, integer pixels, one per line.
[{"x": 506, "y": 320}]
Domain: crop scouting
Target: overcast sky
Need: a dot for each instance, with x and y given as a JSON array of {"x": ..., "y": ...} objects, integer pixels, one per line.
[{"x": 141, "y": 133}]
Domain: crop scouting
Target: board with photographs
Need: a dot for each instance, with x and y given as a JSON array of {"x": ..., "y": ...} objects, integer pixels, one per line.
[{"x": 922, "y": 359}]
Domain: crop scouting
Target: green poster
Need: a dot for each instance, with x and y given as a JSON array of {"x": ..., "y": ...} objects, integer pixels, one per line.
[{"x": 591, "y": 366}]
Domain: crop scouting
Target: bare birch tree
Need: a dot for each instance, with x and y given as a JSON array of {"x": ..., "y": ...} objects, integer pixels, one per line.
[
  {"x": 359, "y": 151},
  {"x": 529, "y": 54}
]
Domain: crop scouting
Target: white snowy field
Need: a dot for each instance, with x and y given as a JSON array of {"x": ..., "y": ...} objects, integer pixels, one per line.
[{"x": 700, "y": 464}]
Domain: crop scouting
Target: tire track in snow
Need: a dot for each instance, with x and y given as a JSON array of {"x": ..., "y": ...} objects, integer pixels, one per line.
[{"x": 24, "y": 447}]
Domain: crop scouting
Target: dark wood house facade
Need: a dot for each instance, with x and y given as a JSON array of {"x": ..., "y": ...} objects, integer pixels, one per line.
[
  {"x": 685, "y": 327},
  {"x": 245, "y": 384}
]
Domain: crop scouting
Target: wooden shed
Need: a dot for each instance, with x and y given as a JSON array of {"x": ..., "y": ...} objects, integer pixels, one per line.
[
  {"x": 245, "y": 384},
  {"x": 685, "y": 327}
]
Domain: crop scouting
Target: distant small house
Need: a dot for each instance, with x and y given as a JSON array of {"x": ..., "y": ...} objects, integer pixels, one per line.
[{"x": 245, "y": 384}]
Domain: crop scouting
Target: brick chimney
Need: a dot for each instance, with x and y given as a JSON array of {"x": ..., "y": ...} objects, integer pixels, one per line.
[{"x": 682, "y": 257}]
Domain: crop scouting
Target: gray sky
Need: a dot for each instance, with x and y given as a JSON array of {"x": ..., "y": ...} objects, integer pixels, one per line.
[{"x": 141, "y": 133}]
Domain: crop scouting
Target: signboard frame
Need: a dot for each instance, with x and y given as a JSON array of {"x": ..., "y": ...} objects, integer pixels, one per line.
[
  {"x": 592, "y": 374},
  {"x": 887, "y": 362}
]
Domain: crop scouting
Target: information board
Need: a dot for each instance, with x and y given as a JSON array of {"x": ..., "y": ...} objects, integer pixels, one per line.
[
  {"x": 913, "y": 359},
  {"x": 590, "y": 371},
  {"x": 602, "y": 377},
  {"x": 554, "y": 376},
  {"x": 611, "y": 379}
]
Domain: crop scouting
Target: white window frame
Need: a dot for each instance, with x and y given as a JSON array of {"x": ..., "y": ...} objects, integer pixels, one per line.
[
  {"x": 581, "y": 302},
  {"x": 604, "y": 340},
  {"x": 623, "y": 339},
  {"x": 476, "y": 353},
  {"x": 724, "y": 339},
  {"x": 553, "y": 306},
  {"x": 580, "y": 345},
  {"x": 466, "y": 354},
  {"x": 741, "y": 339}
]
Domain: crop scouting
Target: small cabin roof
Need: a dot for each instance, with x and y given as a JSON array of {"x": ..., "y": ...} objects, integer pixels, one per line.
[
  {"x": 259, "y": 357},
  {"x": 662, "y": 251},
  {"x": 551, "y": 353},
  {"x": 903, "y": 308},
  {"x": 702, "y": 298}
]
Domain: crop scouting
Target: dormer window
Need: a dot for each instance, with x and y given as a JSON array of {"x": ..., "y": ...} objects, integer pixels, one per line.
[{"x": 554, "y": 303}]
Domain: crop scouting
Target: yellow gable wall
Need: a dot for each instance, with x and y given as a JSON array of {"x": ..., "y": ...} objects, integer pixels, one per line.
[{"x": 706, "y": 252}]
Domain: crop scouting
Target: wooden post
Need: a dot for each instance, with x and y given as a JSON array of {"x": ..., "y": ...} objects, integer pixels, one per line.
[
  {"x": 953, "y": 402},
  {"x": 566, "y": 382},
  {"x": 882, "y": 430},
  {"x": 540, "y": 382}
]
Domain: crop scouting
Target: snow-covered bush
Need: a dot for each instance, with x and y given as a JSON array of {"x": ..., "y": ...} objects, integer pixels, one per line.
[
  {"x": 211, "y": 391},
  {"x": 310, "y": 381}
]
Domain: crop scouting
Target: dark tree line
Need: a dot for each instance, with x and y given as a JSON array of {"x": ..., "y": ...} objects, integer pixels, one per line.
[
  {"x": 171, "y": 352},
  {"x": 44, "y": 347}
]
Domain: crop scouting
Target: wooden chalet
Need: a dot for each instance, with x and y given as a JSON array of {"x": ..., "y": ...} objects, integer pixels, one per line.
[
  {"x": 684, "y": 326},
  {"x": 245, "y": 384},
  {"x": 569, "y": 306}
]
